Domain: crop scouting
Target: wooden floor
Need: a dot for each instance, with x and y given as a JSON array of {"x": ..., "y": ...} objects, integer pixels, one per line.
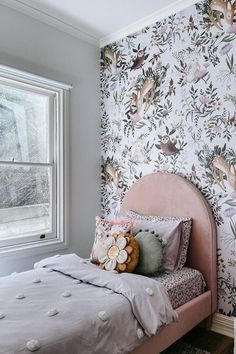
[{"x": 212, "y": 342}]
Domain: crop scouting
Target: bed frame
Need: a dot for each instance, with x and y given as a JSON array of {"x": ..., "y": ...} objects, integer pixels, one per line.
[{"x": 166, "y": 194}]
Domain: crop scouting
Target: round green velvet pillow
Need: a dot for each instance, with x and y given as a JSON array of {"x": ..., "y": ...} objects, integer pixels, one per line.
[{"x": 151, "y": 253}]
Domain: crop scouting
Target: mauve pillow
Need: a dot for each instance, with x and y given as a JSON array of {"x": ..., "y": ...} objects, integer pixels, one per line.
[
  {"x": 104, "y": 229},
  {"x": 170, "y": 234},
  {"x": 186, "y": 226}
]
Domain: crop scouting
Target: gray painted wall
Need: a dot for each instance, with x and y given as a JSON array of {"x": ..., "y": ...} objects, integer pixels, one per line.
[{"x": 30, "y": 45}]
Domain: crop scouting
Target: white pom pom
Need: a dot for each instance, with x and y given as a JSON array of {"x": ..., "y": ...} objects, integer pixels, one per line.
[
  {"x": 66, "y": 294},
  {"x": 103, "y": 316},
  {"x": 140, "y": 333},
  {"x": 20, "y": 296},
  {"x": 52, "y": 312},
  {"x": 2, "y": 315},
  {"x": 149, "y": 291},
  {"x": 33, "y": 345}
]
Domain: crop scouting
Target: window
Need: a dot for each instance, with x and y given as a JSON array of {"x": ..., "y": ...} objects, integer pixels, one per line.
[{"x": 33, "y": 161}]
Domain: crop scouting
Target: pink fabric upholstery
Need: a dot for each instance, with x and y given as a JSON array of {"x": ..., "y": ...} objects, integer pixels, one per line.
[
  {"x": 171, "y": 195},
  {"x": 189, "y": 314},
  {"x": 167, "y": 194}
]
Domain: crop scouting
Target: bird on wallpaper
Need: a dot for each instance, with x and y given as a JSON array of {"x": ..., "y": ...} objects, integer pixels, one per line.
[
  {"x": 167, "y": 146},
  {"x": 138, "y": 61}
]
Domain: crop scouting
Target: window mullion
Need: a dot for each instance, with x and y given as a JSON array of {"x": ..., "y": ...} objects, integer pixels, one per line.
[{"x": 20, "y": 163}]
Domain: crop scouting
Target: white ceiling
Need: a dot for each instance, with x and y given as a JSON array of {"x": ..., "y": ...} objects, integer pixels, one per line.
[{"x": 98, "y": 20}]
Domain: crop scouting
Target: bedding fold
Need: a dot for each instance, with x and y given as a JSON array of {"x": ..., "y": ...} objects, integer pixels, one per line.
[
  {"x": 69, "y": 306},
  {"x": 148, "y": 298}
]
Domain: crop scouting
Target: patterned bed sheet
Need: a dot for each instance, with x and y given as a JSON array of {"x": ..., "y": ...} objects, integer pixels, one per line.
[{"x": 182, "y": 285}]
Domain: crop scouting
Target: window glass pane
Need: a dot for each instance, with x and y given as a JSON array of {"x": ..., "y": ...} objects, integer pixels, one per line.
[
  {"x": 25, "y": 201},
  {"x": 24, "y": 132}
]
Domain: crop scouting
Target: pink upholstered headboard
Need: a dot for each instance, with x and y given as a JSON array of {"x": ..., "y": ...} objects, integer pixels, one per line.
[{"x": 166, "y": 194}]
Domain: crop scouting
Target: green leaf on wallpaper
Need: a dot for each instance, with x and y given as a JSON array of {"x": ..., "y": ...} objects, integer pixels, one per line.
[
  {"x": 137, "y": 177},
  {"x": 233, "y": 228},
  {"x": 140, "y": 125},
  {"x": 229, "y": 38},
  {"x": 228, "y": 62},
  {"x": 232, "y": 61},
  {"x": 231, "y": 202},
  {"x": 172, "y": 131}
]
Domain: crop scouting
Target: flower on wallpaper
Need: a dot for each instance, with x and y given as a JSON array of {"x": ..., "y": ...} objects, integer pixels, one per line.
[
  {"x": 171, "y": 88},
  {"x": 138, "y": 153},
  {"x": 226, "y": 48},
  {"x": 229, "y": 238},
  {"x": 191, "y": 24},
  {"x": 168, "y": 102},
  {"x": 226, "y": 286},
  {"x": 229, "y": 212},
  {"x": 232, "y": 262},
  {"x": 192, "y": 70},
  {"x": 204, "y": 99},
  {"x": 233, "y": 194}
]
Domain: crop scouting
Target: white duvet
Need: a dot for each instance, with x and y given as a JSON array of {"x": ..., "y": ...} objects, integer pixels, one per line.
[{"x": 67, "y": 305}]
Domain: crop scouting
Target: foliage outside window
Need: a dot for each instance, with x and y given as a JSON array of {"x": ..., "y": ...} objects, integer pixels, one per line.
[{"x": 32, "y": 161}]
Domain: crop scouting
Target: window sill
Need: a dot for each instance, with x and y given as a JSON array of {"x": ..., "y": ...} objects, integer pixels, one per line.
[{"x": 35, "y": 248}]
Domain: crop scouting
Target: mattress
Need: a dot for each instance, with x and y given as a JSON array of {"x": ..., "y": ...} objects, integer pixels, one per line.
[{"x": 182, "y": 285}]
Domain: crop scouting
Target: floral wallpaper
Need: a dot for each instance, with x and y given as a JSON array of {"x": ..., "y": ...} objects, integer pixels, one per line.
[{"x": 169, "y": 103}]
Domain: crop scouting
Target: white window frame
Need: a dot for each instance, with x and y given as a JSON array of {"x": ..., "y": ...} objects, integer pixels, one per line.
[{"x": 59, "y": 160}]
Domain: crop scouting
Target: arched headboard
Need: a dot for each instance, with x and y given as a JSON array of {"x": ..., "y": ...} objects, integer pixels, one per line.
[{"x": 166, "y": 194}]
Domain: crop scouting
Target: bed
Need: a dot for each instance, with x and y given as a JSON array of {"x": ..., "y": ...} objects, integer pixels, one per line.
[
  {"x": 56, "y": 283},
  {"x": 171, "y": 195}
]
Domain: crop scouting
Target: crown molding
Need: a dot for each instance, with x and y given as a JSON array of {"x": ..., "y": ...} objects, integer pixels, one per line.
[
  {"x": 136, "y": 26},
  {"x": 51, "y": 20},
  {"x": 82, "y": 34}
]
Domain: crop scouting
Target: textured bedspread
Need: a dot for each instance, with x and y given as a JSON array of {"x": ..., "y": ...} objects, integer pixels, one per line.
[{"x": 69, "y": 306}]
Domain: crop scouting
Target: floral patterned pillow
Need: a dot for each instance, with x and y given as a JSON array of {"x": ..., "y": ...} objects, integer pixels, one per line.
[
  {"x": 186, "y": 226},
  {"x": 104, "y": 229},
  {"x": 120, "y": 252}
]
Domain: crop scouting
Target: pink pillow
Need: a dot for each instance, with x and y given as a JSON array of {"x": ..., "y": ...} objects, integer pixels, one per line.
[
  {"x": 106, "y": 228},
  {"x": 169, "y": 233},
  {"x": 186, "y": 224}
]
